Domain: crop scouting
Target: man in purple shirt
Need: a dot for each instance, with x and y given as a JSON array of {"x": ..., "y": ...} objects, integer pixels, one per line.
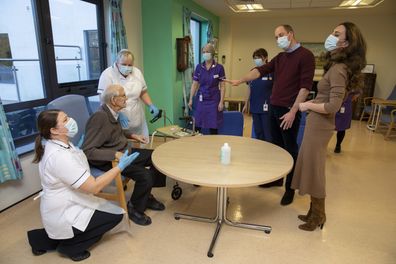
[{"x": 294, "y": 70}]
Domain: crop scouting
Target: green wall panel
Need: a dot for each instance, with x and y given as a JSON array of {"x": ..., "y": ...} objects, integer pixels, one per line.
[{"x": 162, "y": 23}]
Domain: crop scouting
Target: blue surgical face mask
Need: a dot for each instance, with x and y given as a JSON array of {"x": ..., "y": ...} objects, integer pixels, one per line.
[
  {"x": 72, "y": 127},
  {"x": 207, "y": 56},
  {"x": 125, "y": 70},
  {"x": 283, "y": 42},
  {"x": 331, "y": 43},
  {"x": 259, "y": 62}
]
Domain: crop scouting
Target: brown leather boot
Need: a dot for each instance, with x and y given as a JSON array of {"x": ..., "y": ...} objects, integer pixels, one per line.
[
  {"x": 318, "y": 216},
  {"x": 306, "y": 217}
]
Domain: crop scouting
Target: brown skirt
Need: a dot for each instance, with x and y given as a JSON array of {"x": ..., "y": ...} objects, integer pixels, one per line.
[{"x": 309, "y": 174}]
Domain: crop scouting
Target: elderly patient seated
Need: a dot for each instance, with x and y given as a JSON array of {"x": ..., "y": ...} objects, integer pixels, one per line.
[{"x": 105, "y": 141}]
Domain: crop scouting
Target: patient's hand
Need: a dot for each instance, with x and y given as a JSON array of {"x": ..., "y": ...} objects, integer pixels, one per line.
[
  {"x": 118, "y": 155},
  {"x": 140, "y": 138}
]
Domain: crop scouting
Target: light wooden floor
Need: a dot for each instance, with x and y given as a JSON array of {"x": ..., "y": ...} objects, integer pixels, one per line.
[{"x": 360, "y": 227}]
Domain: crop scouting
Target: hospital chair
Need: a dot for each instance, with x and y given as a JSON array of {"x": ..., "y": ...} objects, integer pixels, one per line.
[
  {"x": 76, "y": 106},
  {"x": 232, "y": 124},
  {"x": 368, "y": 108}
]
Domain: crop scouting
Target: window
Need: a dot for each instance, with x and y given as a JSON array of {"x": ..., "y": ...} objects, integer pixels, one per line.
[
  {"x": 48, "y": 48},
  {"x": 195, "y": 28},
  {"x": 6, "y": 71}
]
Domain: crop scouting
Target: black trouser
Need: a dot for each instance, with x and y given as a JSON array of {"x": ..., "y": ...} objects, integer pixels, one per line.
[
  {"x": 286, "y": 139},
  {"x": 145, "y": 178},
  {"x": 340, "y": 137},
  {"x": 100, "y": 223}
]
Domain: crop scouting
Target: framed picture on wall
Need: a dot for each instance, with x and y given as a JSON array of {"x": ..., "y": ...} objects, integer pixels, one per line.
[
  {"x": 368, "y": 69},
  {"x": 318, "y": 50}
]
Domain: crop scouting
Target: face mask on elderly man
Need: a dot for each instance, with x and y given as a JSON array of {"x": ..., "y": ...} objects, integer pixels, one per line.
[{"x": 125, "y": 70}]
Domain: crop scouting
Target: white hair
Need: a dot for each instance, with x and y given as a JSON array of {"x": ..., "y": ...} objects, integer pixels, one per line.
[{"x": 111, "y": 91}]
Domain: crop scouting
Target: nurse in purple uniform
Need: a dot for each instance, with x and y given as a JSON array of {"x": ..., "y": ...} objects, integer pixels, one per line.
[
  {"x": 343, "y": 119},
  {"x": 208, "y": 88}
]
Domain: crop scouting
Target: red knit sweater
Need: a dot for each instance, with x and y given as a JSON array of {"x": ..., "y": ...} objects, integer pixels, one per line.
[{"x": 292, "y": 71}]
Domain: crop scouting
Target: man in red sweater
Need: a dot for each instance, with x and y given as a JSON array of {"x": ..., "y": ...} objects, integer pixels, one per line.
[{"x": 293, "y": 71}]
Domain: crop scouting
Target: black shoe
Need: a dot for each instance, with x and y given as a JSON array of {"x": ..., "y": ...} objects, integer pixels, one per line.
[
  {"x": 287, "y": 197},
  {"x": 81, "y": 256},
  {"x": 272, "y": 184},
  {"x": 137, "y": 217},
  {"x": 38, "y": 252},
  {"x": 154, "y": 204},
  {"x": 337, "y": 149}
]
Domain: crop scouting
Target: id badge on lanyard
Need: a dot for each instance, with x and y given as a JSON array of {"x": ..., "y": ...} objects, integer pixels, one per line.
[
  {"x": 265, "y": 107},
  {"x": 200, "y": 97},
  {"x": 342, "y": 109}
]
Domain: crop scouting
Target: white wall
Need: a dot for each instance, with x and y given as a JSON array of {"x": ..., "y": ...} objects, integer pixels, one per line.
[{"x": 239, "y": 37}]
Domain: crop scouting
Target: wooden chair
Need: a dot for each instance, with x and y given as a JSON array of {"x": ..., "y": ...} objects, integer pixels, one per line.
[
  {"x": 388, "y": 119},
  {"x": 367, "y": 108},
  {"x": 76, "y": 107}
]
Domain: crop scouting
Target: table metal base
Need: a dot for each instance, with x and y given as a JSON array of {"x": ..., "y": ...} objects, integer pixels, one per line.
[{"x": 220, "y": 218}]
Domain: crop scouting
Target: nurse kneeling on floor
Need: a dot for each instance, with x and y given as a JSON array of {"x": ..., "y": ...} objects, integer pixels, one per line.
[{"x": 73, "y": 218}]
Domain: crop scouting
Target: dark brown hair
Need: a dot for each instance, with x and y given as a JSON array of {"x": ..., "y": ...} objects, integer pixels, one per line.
[
  {"x": 45, "y": 121},
  {"x": 353, "y": 56},
  {"x": 260, "y": 53}
]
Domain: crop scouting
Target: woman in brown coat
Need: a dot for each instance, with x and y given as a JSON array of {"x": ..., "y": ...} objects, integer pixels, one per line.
[{"x": 345, "y": 58}]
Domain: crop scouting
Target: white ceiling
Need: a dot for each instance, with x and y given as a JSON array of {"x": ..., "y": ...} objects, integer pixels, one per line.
[{"x": 296, "y": 8}]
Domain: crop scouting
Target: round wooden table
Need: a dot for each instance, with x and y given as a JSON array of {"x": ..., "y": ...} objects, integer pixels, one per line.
[{"x": 196, "y": 160}]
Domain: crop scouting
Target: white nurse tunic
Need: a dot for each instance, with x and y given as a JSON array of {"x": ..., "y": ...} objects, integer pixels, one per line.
[
  {"x": 134, "y": 84},
  {"x": 63, "y": 169}
]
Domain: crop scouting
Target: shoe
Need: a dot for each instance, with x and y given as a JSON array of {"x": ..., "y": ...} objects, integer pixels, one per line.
[
  {"x": 287, "y": 197},
  {"x": 154, "y": 204},
  {"x": 307, "y": 217},
  {"x": 318, "y": 215},
  {"x": 81, "y": 256},
  {"x": 137, "y": 217},
  {"x": 38, "y": 252},
  {"x": 272, "y": 184},
  {"x": 337, "y": 149}
]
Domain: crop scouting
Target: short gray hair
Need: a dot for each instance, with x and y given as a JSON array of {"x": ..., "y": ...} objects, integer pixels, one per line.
[
  {"x": 124, "y": 53},
  {"x": 111, "y": 91}
]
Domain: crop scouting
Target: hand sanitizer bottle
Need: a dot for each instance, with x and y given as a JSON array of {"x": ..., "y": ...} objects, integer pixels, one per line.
[{"x": 225, "y": 154}]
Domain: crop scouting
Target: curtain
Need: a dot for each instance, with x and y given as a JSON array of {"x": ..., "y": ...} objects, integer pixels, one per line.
[
  {"x": 187, "y": 74},
  {"x": 209, "y": 32},
  {"x": 10, "y": 166},
  {"x": 118, "y": 38}
]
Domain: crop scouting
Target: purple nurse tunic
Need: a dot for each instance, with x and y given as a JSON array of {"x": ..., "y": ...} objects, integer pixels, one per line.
[
  {"x": 343, "y": 117},
  {"x": 207, "y": 99}
]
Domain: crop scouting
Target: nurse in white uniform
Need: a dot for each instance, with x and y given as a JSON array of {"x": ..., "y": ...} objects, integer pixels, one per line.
[
  {"x": 124, "y": 73},
  {"x": 73, "y": 218}
]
